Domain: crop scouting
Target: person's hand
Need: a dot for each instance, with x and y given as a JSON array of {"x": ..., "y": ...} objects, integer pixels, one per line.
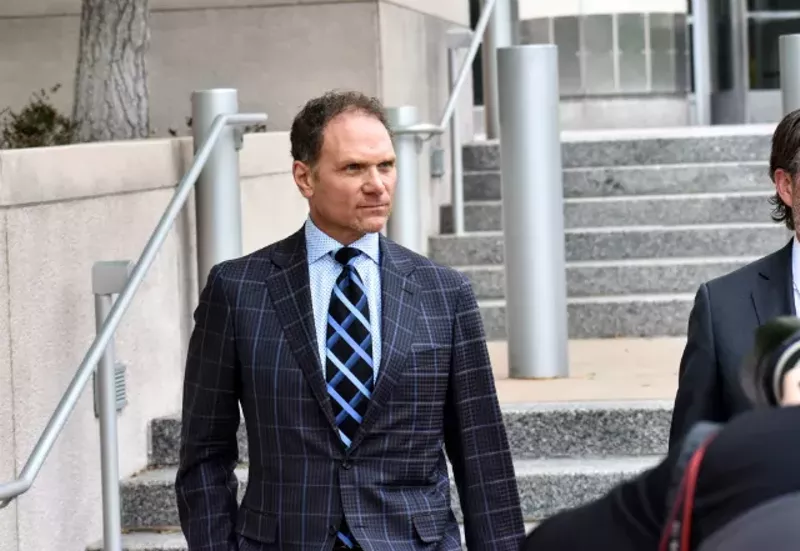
[{"x": 791, "y": 387}]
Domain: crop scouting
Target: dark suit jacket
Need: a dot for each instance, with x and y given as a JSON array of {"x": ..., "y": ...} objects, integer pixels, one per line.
[
  {"x": 751, "y": 462},
  {"x": 254, "y": 343},
  {"x": 722, "y": 325}
]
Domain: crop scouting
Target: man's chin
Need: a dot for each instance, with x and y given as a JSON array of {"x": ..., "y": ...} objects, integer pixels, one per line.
[{"x": 373, "y": 224}]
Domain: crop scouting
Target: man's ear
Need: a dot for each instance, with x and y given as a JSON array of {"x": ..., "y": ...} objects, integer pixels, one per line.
[
  {"x": 303, "y": 178},
  {"x": 784, "y": 186}
]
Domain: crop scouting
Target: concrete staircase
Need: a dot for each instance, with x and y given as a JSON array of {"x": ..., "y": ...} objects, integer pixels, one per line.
[
  {"x": 649, "y": 217},
  {"x": 564, "y": 455}
]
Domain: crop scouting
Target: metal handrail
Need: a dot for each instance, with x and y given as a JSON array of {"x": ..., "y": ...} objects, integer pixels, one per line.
[
  {"x": 55, "y": 425},
  {"x": 450, "y": 106}
]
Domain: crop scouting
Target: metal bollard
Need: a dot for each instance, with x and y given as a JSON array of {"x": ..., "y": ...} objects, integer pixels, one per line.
[
  {"x": 790, "y": 72},
  {"x": 108, "y": 279},
  {"x": 499, "y": 34},
  {"x": 533, "y": 211},
  {"x": 701, "y": 62},
  {"x": 218, "y": 202},
  {"x": 403, "y": 226}
]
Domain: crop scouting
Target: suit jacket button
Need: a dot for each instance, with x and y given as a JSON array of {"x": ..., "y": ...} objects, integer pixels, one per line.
[
  {"x": 346, "y": 463},
  {"x": 332, "y": 530}
]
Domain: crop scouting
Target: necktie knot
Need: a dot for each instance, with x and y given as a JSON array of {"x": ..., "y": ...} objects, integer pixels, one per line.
[{"x": 345, "y": 255}]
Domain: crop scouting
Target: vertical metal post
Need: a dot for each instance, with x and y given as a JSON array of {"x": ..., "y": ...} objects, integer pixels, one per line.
[
  {"x": 404, "y": 221},
  {"x": 108, "y": 279},
  {"x": 109, "y": 446},
  {"x": 457, "y": 40},
  {"x": 701, "y": 62},
  {"x": 533, "y": 211},
  {"x": 499, "y": 34},
  {"x": 790, "y": 72},
  {"x": 218, "y": 201}
]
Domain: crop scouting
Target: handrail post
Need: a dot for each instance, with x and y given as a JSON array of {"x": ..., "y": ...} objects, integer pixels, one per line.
[
  {"x": 499, "y": 34},
  {"x": 533, "y": 211},
  {"x": 218, "y": 203},
  {"x": 458, "y": 39},
  {"x": 404, "y": 222},
  {"x": 790, "y": 72},
  {"x": 108, "y": 279}
]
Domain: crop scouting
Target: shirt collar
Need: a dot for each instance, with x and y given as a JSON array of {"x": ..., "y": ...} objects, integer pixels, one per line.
[{"x": 319, "y": 243}]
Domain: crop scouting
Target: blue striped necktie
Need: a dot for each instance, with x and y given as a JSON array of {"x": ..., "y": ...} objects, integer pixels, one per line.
[{"x": 348, "y": 366}]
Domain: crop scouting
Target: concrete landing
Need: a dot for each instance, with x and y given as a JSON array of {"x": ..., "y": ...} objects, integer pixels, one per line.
[{"x": 600, "y": 370}]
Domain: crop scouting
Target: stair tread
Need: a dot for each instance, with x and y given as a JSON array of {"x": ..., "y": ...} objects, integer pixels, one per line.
[
  {"x": 606, "y": 299},
  {"x": 640, "y": 198},
  {"x": 523, "y": 467},
  {"x": 628, "y": 229},
  {"x": 629, "y": 262}
]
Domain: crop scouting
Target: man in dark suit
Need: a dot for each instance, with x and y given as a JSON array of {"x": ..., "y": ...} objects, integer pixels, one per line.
[
  {"x": 356, "y": 362},
  {"x": 727, "y": 310}
]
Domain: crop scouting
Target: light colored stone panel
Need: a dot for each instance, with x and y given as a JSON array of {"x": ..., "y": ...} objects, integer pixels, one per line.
[
  {"x": 265, "y": 153},
  {"x": 38, "y": 53},
  {"x": 51, "y": 251},
  {"x": 454, "y": 11},
  {"x": 277, "y": 57},
  {"x": 414, "y": 72},
  {"x": 8, "y": 516},
  {"x": 272, "y": 209},
  {"x": 56, "y": 173},
  {"x": 20, "y": 8}
]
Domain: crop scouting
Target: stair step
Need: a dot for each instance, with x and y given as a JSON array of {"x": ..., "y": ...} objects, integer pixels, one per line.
[
  {"x": 608, "y": 317},
  {"x": 658, "y": 146},
  {"x": 667, "y": 210},
  {"x": 618, "y": 277},
  {"x": 534, "y": 431},
  {"x": 610, "y": 181},
  {"x": 545, "y": 486},
  {"x": 173, "y": 540},
  {"x": 617, "y": 243}
]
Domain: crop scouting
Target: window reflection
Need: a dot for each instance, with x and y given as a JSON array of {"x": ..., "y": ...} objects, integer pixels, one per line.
[{"x": 764, "y": 59}]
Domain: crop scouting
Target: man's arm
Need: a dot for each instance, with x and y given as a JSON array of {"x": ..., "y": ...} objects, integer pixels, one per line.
[
  {"x": 699, "y": 393},
  {"x": 476, "y": 441},
  {"x": 206, "y": 486}
]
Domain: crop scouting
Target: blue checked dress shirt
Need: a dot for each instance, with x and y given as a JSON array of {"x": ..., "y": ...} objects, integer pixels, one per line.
[{"x": 322, "y": 273}]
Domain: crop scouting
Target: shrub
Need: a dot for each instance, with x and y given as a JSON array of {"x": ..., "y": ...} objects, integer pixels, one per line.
[{"x": 38, "y": 124}]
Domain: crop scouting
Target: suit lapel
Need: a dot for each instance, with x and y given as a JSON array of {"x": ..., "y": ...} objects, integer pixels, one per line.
[
  {"x": 400, "y": 296},
  {"x": 773, "y": 294},
  {"x": 291, "y": 296}
]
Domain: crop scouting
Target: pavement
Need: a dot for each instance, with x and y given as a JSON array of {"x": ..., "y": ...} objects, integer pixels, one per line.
[{"x": 599, "y": 370}]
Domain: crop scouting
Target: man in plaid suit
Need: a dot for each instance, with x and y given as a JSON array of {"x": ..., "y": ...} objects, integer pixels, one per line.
[{"x": 357, "y": 364}]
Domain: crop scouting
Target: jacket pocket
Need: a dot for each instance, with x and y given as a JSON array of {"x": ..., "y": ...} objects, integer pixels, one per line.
[
  {"x": 256, "y": 526},
  {"x": 430, "y": 526}
]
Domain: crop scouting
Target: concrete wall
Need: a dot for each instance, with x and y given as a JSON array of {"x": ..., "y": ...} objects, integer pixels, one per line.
[
  {"x": 278, "y": 53},
  {"x": 61, "y": 210}
]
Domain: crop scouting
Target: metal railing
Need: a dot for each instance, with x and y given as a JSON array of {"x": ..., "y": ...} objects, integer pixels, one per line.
[
  {"x": 405, "y": 223},
  {"x": 213, "y": 130}
]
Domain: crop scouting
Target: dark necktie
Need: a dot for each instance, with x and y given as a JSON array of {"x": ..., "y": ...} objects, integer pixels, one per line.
[{"x": 348, "y": 366}]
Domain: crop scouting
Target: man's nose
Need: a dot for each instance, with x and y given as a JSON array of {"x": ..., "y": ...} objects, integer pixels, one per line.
[{"x": 373, "y": 181}]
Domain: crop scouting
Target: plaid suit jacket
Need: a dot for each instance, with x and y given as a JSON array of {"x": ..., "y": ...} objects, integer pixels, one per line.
[{"x": 254, "y": 344}]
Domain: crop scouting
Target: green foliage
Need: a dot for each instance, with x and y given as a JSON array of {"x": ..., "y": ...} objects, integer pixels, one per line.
[{"x": 38, "y": 124}]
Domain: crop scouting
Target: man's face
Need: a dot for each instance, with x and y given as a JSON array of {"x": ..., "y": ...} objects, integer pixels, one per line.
[{"x": 350, "y": 189}]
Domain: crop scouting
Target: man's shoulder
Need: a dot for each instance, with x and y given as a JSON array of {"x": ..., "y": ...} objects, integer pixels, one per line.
[
  {"x": 255, "y": 265},
  {"x": 745, "y": 275},
  {"x": 428, "y": 272}
]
